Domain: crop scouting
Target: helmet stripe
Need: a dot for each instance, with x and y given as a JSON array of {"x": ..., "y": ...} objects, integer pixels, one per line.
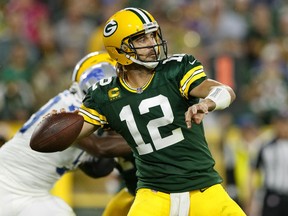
[
  {"x": 141, "y": 14},
  {"x": 79, "y": 64}
]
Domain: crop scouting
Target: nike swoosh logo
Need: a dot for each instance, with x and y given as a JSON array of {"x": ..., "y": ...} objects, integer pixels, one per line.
[{"x": 192, "y": 63}]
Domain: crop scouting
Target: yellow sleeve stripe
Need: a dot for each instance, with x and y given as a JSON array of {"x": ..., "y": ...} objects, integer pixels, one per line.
[
  {"x": 92, "y": 116},
  {"x": 190, "y": 77}
]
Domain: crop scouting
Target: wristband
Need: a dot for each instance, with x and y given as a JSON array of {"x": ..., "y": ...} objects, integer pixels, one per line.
[{"x": 220, "y": 96}]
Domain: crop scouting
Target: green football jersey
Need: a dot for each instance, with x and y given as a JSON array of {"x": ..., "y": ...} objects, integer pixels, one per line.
[{"x": 169, "y": 156}]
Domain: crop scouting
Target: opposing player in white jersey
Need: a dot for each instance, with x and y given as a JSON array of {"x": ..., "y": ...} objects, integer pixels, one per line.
[{"x": 26, "y": 176}]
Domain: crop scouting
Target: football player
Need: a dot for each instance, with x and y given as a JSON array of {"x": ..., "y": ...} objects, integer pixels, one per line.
[
  {"x": 152, "y": 103},
  {"x": 26, "y": 176}
]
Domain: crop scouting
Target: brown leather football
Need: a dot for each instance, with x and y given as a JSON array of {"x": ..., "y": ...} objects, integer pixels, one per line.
[{"x": 56, "y": 132}]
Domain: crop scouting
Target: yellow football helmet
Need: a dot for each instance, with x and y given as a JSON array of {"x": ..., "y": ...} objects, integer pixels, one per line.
[
  {"x": 92, "y": 68},
  {"x": 127, "y": 24}
]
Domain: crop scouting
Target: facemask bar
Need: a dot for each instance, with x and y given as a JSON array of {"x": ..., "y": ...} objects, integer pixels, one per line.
[{"x": 160, "y": 49}]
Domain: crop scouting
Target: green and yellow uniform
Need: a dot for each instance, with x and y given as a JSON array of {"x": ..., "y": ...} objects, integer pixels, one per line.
[{"x": 169, "y": 156}]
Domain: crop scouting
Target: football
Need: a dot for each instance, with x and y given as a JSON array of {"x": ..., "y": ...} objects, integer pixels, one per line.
[{"x": 56, "y": 132}]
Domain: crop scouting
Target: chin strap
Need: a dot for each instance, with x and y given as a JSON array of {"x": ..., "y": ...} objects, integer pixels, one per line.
[{"x": 149, "y": 65}]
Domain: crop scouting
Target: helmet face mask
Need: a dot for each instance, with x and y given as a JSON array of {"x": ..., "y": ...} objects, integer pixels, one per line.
[
  {"x": 159, "y": 48},
  {"x": 126, "y": 25}
]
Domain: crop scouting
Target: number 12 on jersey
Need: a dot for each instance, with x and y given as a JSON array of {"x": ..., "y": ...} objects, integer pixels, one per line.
[{"x": 159, "y": 142}]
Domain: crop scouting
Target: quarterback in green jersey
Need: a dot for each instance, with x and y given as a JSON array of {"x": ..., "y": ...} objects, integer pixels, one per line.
[{"x": 153, "y": 103}]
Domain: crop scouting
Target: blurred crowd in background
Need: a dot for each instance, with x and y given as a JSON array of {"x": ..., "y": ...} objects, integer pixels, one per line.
[{"x": 242, "y": 43}]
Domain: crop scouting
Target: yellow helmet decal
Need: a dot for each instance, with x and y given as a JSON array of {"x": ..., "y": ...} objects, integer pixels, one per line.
[{"x": 122, "y": 25}]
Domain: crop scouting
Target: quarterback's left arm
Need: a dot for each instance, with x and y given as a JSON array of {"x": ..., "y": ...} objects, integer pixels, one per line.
[{"x": 215, "y": 95}]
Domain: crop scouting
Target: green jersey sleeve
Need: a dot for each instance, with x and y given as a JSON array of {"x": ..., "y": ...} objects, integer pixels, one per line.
[{"x": 169, "y": 157}]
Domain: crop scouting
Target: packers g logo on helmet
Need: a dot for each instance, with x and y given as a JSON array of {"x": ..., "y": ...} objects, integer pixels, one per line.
[
  {"x": 123, "y": 27},
  {"x": 110, "y": 28}
]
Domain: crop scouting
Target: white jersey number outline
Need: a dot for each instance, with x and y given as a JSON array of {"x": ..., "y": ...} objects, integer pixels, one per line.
[{"x": 159, "y": 142}]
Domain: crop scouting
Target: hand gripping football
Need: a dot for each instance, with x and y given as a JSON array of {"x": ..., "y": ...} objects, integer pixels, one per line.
[{"x": 56, "y": 132}]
